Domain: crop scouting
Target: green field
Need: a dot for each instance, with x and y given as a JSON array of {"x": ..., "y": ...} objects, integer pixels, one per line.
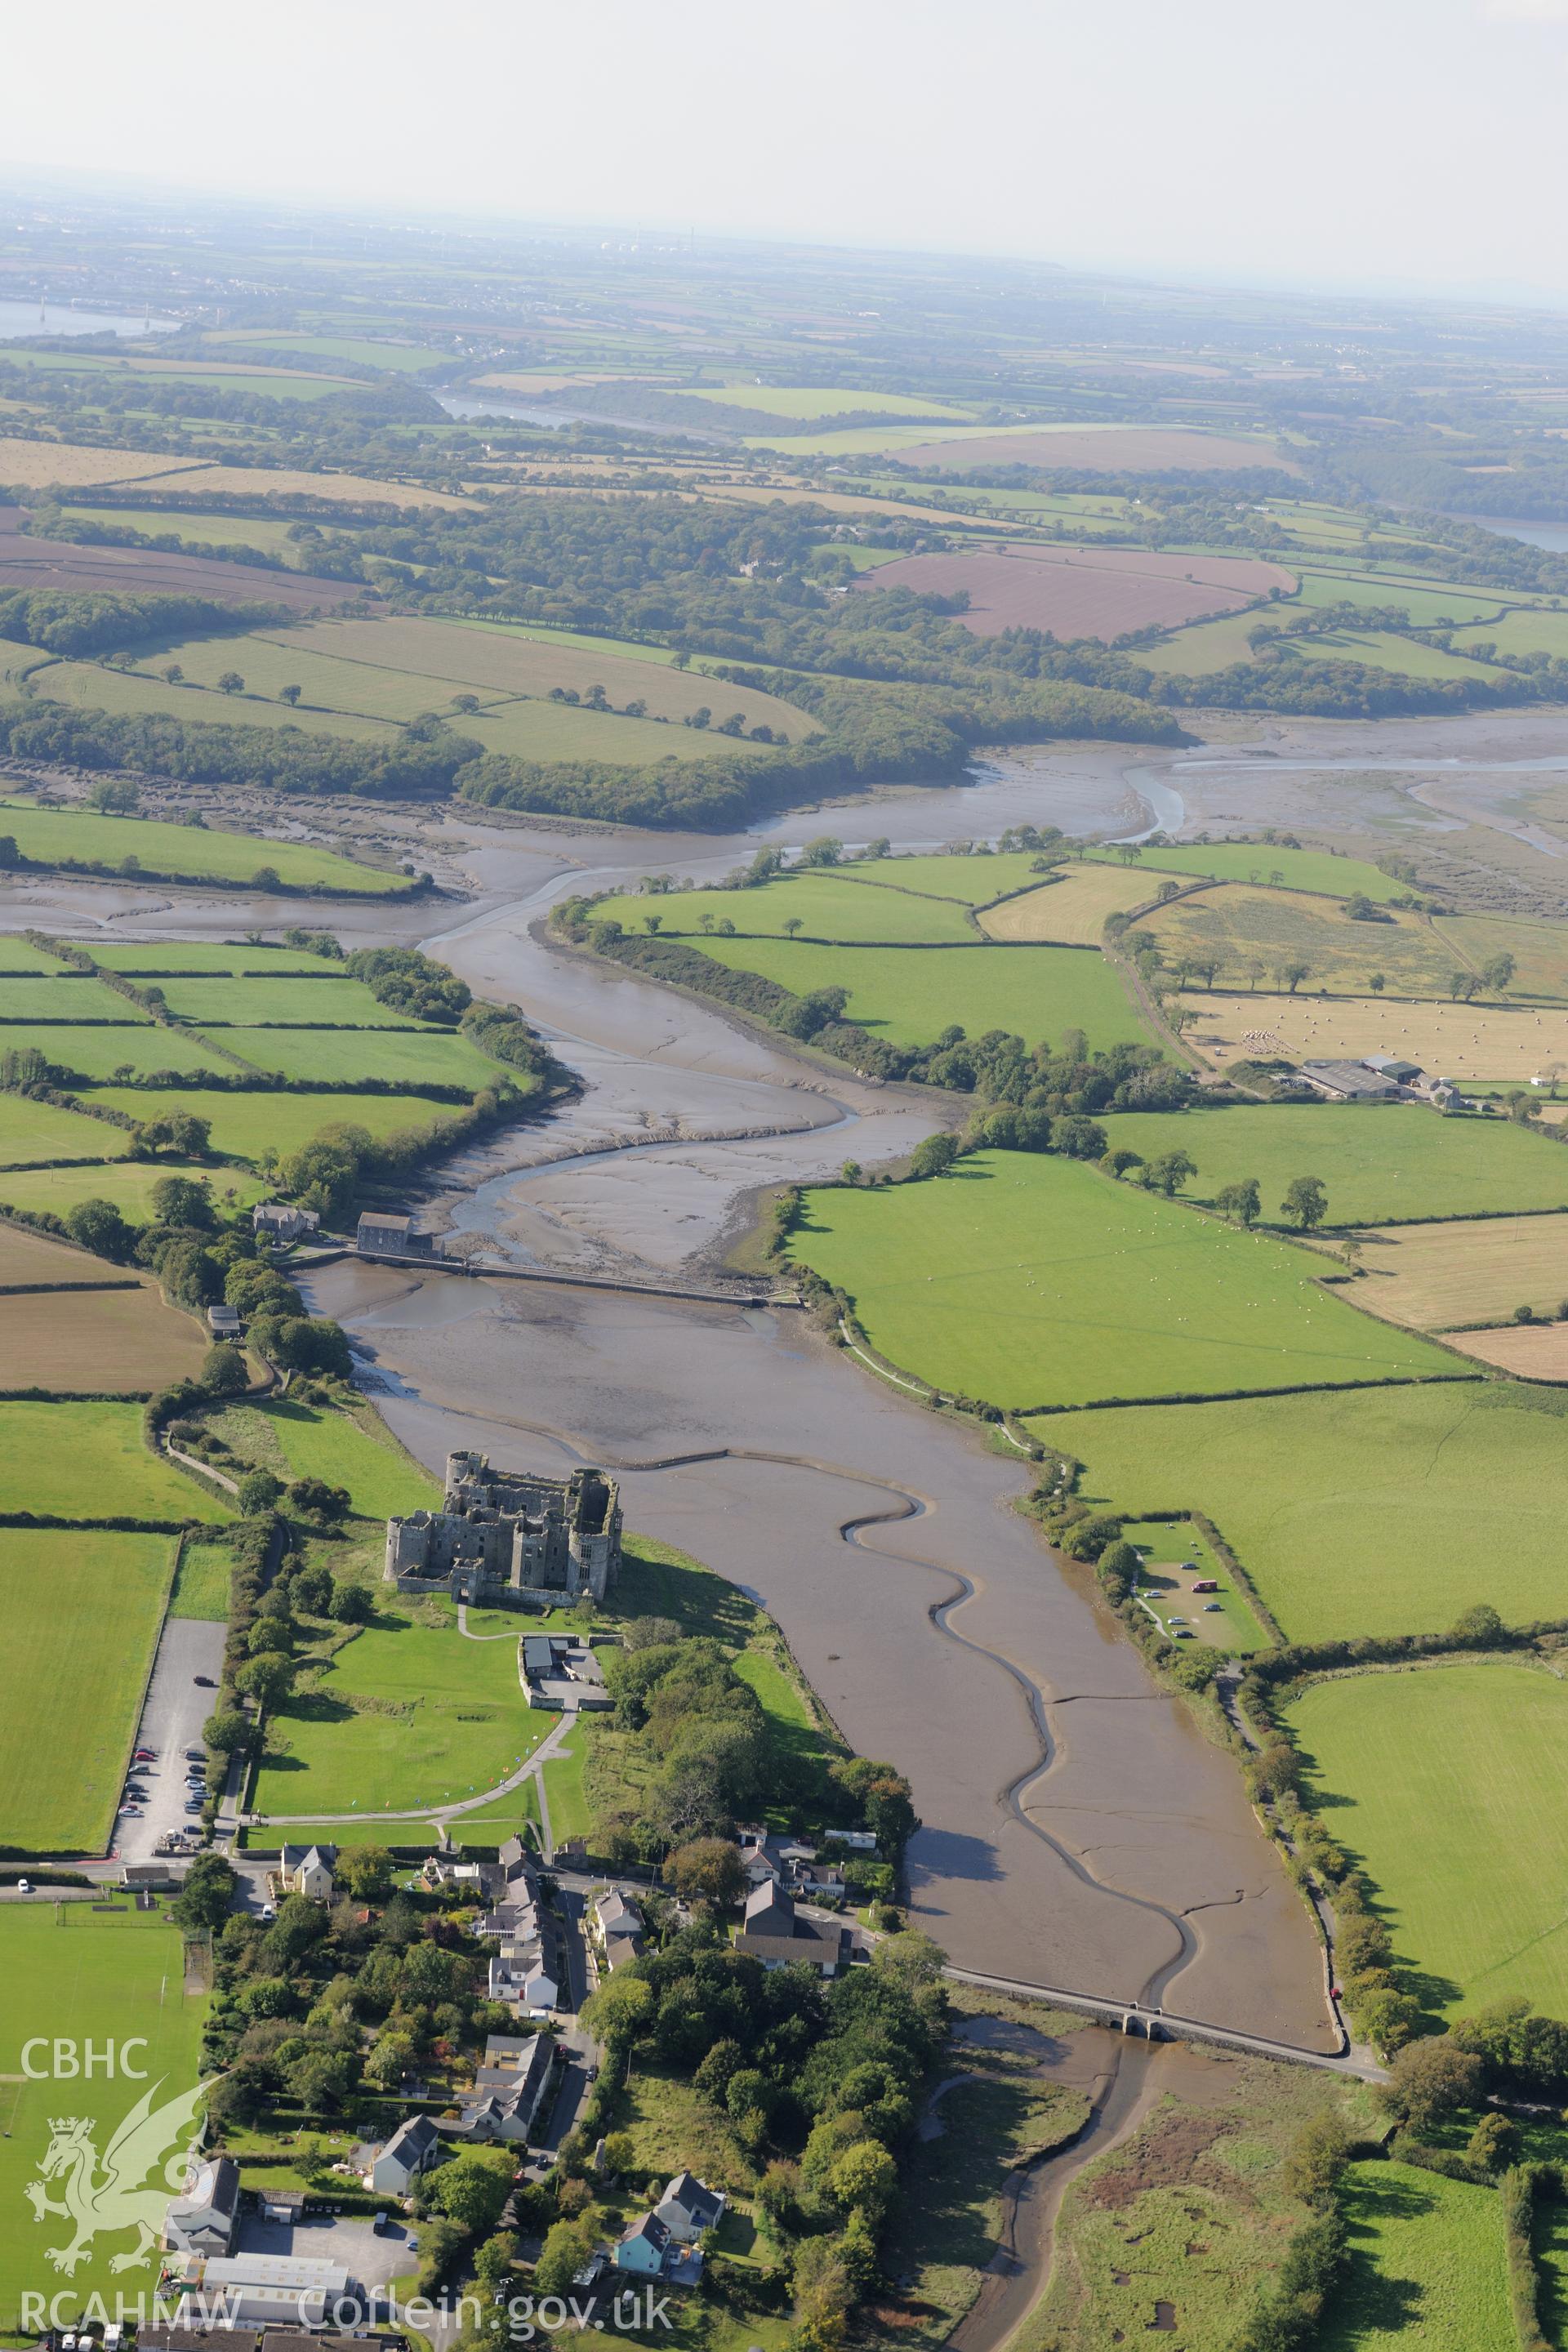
[
  {"x": 20, "y": 955},
  {"x": 47, "y": 834},
  {"x": 138, "y": 1047},
  {"x": 409, "y": 1057},
  {"x": 1259, "y": 861},
  {"x": 199, "y": 530},
  {"x": 248, "y": 1126},
  {"x": 32, "y": 1133},
  {"x": 257, "y": 1003},
  {"x": 909, "y": 996},
  {"x": 1427, "y": 2265},
  {"x": 88, "y": 1461},
  {"x": 127, "y": 1183},
  {"x": 404, "y": 358},
  {"x": 1426, "y": 606},
  {"x": 1032, "y": 1280},
  {"x": 1167, "y": 1544},
  {"x": 202, "y": 1582},
  {"x": 298, "y": 1441},
  {"x": 448, "y": 1719},
  {"x": 78, "y": 1975},
  {"x": 149, "y": 958},
  {"x": 973, "y": 878},
  {"x": 825, "y": 907},
  {"x": 1526, "y": 630},
  {"x": 83, "y": 1605},
  {"x": 1444, "y": 1783},
  {"x": 570, "y": 1814},
  {"x": 1377, "y": 1161},
  {"x": 136, "y": 694},
  {"x": 65, "y": 997},
  {"x": 1387, "y": 1511}
]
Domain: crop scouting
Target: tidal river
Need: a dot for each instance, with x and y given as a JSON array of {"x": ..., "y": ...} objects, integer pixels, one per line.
[{"x": 1078, "y": 1829}]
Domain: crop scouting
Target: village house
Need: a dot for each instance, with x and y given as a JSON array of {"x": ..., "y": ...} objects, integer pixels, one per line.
[
  {"x": 278, "y": 1222},
  {"x": 526, "y": 1972},
  {"x": 413, "y": 2148},
  {"x": 771, "y": 1932},
  {"x": 508, "y": 2089},
  {"x": 769, "y": 1860},
  {"x": 304, "y": 1870},
  {"x": 506, "y": 1535},
  {"x": 689, "y": 2207},
  {"x": 617, "y": 1928}
]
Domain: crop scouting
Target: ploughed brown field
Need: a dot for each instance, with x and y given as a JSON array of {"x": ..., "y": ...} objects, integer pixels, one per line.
[
  {"x": 73, "y": 571},
  {"x": 1084, "y": 592},
  {"x": 1158, "y": 450},
  {"x": 97, "y": 1342}
]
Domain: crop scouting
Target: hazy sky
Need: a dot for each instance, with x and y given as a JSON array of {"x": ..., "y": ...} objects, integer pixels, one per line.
[{"x": 1353, "y": 142}]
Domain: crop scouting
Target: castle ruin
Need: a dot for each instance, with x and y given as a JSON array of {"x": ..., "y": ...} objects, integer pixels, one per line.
[{"x": 503, "y": 1536}]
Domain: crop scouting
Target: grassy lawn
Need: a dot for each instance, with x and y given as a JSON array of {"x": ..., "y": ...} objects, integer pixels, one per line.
[
  {"x": 1260, "y": 861},
  {"x": 410, "y": 1058},
  {"x": 47, "y": 834},
  {"x": 33, "y": 1133},
  {"x": 570, "y": 1814},
  {"x": 825, "y": 907},
  {"x": 1249, "y": 933},
  {"x": 1376, "y": 1161},
  {"x": 1442, "y": 1783},
  {"x": 97, "y": 1597},
  {"x": 248, "y": 1126},
  {"x": 127, "y": 1183},
  {"x": 1426, "y": 2264},
  {"x": 77, "y": 1974},
  {"x": 909, "y": 996},
  {"x": 302, "y": 1441},
  {"x": 438, "y": 1717},
  {"x": 201, "y": 1583},
  {"x": 1032, "y": 1281},
  {"x": 88, "y": 1461},
  {"x": 1357, "y": 1513}
]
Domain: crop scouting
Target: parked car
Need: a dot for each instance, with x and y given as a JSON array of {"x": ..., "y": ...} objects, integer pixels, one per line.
[
  {"x": 146, "y": 1756},
  {"x": 1212, "y": 1609},
  {"x": 24, "y": 1886},
  {"x": 196, "y": 1755},
  {"x": 205, "y": 1681}
]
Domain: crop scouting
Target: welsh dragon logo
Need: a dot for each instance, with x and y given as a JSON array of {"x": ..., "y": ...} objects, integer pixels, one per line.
[{"x": 103, "y": 2196}]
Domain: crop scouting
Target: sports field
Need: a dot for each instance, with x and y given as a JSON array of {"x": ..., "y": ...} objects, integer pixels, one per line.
[
  {"x": 1252, "y": 934},
  {"x": 447, "y": 1719},
  {"x": 74, "y": 1974},
  {"x": 1355, "y": 1513},
  {"x": 90, "y": 1342},
  {"x": 33, "y": 1133},
  {"x": 47, "y": 834},
  {"x": 909, "y": 996},
  {"x": 1444, "y": 1783},
  {"x": 1454, "y": 1041},
  {"x": 93, "y": 1598},
  {"x": 1427, "y": 2265},
  {"x": 410, "y": 1057},
  {"x": 298, "y": 1441},
  {"x": 1071, "y": 910},
  {"x": 1263, "y": 861},
  {"x": 1377, "y": 1161},
  {"x": 88, "y": 1461},
  {"x": 247, "y": 1126},
  {"x": 1033, "y": 1281},
  {"x": 825, "y": 907},
  {"x": 1476, "y": 1271}
]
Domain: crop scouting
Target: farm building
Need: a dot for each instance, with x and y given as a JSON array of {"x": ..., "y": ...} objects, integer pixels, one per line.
[
  {"x": 506, "y": 1533},
  {"x": 223, "y": 1322},
  {"x": 562, "y": 1672},
  {"x": 1350, "y": 1082}
]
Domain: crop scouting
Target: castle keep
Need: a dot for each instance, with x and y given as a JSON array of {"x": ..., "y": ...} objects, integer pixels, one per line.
[{"x": 505, "y": 1536}]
